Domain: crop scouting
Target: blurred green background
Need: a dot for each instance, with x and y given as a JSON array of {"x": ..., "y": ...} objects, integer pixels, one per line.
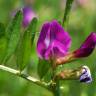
[{"x": 82, "y": 21}]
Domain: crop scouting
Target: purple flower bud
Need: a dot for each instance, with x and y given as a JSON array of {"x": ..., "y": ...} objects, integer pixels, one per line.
[
  {"x": 28, "y": 15},
  {"x": 86, "y": 75},
  {"x": 87, "y": 47},
  {"x": 53, "y": 41}
]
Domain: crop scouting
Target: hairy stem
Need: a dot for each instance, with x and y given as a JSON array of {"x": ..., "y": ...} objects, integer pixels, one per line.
[{"x": 27, "y": 77}]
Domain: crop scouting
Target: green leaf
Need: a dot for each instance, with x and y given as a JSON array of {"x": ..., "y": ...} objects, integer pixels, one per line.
[
  {"x": 2, "y": 30},
  {"x": 25, "y": 45},
  {"x": 13, "y": 35},
  {"x": 67, "y": 11},
  {"x": 32, "y": 28},
  {"x": 43, "y": 67},
  {"x": 3, "y": 43}
]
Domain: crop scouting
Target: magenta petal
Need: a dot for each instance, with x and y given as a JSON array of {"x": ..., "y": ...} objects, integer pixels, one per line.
[
  {"x": 53, "y": 41},
  {"x": 58, "y": 33},
  {"x": 56, "y": 49},
  {"x": 87, "y": 47},
  {"x": 41, "y": 45}
]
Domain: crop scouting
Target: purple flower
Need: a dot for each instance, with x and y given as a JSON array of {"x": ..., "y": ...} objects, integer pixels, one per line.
[
  {"x": 86, "y": 75},
  {"x": 53, "y": 41},
  {"x": 87, "y": 47},
  {"x": 28, "y": 15}
]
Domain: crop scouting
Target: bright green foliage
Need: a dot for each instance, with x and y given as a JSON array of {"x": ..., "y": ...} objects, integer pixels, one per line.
[
  {"x": 25, "y": 45},
  {"x": 13, "y": 35}
]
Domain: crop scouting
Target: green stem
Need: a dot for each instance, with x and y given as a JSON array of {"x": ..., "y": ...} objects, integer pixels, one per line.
[
  {"x": 56, "y": 89},
  {"x": 67, "y": 11},
  {"x": 27, "y": 77}
]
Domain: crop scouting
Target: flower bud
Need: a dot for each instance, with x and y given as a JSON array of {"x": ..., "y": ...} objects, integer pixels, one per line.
[
  {"x": 87, "y": 47},
  {"x": 28, "y": 15},
  {"x": 86, "y": 75}
]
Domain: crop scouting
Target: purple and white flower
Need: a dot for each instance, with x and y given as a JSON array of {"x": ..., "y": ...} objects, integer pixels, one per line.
[{"x": 54, "y": 42}]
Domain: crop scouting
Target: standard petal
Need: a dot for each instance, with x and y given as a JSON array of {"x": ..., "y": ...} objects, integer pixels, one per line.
[
  {"x": 58, "y": 33},
  {"x": 53, "y": 41},
  {"x": 42, "y": 43},
  {"x": 56, "y": 49},
  {"x": 87, "y": 47}
]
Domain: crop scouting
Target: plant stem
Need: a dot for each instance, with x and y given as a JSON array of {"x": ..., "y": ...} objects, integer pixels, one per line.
[
  {"x": 29, "y": 78},
  {"x": 67, "y": 11},
  {"x": 56, "y": 89}
]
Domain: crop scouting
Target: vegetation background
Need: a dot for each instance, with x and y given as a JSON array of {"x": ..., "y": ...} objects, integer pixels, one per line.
[{"x": 82, "y": 21}]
